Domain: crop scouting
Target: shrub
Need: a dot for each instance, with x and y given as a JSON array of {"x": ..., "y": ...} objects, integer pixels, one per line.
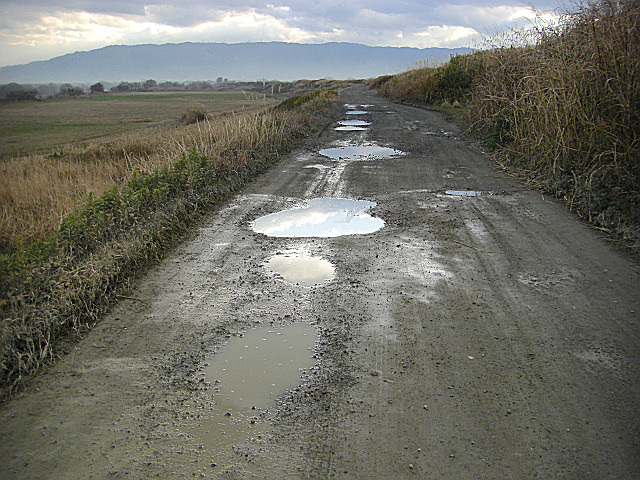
[{"x": 193, "y": 115}]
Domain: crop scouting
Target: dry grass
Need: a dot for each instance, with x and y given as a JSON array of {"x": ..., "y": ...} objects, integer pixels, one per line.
[
  {"x": 566, "y": 108},
  {"x": 558, "y": 103},
  {"x": 38, "y": 191}
]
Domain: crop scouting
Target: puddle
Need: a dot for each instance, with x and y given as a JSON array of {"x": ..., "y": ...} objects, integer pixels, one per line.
[
  {"x": 321, "y": 217},
  {"x": 318, "y": 166},
  {"x": 353, "y": 106},
  {"x": 361, "y": 152},
  {"x": 464, "y": 193},
  {"x": 248, "y": 375},
  {"x": 299, "y": 268},
  {"x": 356, "y": 112},
  {"x": 352, "y": 125},
  {"x": 358, "y": 123},
  {"x": 347, "y": 128}
]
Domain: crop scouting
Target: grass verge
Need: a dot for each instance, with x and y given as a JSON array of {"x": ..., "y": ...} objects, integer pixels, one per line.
[
  {"x": 558, "y": 104},
  {"x": 61, "y": 283}
]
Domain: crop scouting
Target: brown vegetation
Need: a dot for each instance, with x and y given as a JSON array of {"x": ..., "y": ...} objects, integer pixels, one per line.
[
  {"x": 67, "y": 252},
  {"x": 559, "y": 104}
]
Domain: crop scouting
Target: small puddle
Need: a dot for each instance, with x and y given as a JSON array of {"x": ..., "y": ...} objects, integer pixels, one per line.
[
  {"x": 249, "y": 374},
  {"x": 321, "y": 217},
  {"x": 359, "y": 123},
  {"x": 361, "y": 152},
  {"x": 352, "y": 125},
  {"x": 299, "y": 268},
  {"x": 464, "y": 193},
  {"x": 357, "y": 112},
  {"x": 347, "y": 128}
]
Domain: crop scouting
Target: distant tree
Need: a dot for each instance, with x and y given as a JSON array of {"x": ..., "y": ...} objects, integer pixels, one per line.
[
  {"x": 123, "y": 87},
  {"x": 168, "y": 85},
  {"x": 21, "y": 95},
  {"x": 149, "y": 84},
  {"x": 219, "y": 80},
  {"x": 198, "y": 86},
  {"x": 68, "y": 90},
  {"x": 96, "y": 88}
]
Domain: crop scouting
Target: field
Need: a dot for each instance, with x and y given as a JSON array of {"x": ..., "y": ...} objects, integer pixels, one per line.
[{"x": 32, "y": 127}]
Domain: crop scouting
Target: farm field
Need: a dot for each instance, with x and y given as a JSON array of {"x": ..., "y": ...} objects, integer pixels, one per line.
[{"x": 36, "y": 127}]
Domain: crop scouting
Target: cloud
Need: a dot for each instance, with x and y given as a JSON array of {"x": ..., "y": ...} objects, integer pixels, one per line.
[{"x": 68, "y": 25}]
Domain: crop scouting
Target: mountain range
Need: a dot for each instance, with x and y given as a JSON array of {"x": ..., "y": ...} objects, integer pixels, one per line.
[{"x": 237, "y": 61}]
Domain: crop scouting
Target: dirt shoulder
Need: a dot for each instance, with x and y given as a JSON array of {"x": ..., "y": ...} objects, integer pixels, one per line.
[{"x": 471, "y": 337}]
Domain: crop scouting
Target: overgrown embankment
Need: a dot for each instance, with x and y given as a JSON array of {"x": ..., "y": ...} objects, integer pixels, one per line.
[
  {"x": 63, "y": 277},
  {"x": 559, "y": 105}
]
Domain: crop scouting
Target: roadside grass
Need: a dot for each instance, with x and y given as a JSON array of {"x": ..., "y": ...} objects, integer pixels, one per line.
[
  {"x": 34, "y": 127},
  {"x": 558, "y": 104},
  {"x": 149, "y": 189}
]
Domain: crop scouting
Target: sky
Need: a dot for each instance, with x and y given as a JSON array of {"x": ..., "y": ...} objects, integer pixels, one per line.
[{"x": 42, "y": 29}]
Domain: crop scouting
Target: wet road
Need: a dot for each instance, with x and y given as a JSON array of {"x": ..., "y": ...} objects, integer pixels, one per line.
[{"x": 460, "y": 336}]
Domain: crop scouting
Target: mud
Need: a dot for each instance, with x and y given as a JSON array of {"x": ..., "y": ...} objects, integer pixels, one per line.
[{"x": 485, "y": 337}]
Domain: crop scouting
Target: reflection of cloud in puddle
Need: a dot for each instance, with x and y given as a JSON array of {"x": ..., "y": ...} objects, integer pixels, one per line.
[
  {"x": 356, "y": 112},
  {"x": 347, "y": 128},
  {"x": 299, "y": 268},
  {"x": 360, "y": 152},
  {"x": 318, "y": 166},
  {"x": 463, "y": 193},
  {"x": 321, "y": 217},
  {"x": 360, "y": 123}
]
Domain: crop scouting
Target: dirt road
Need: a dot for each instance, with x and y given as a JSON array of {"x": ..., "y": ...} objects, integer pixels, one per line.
[{"x": 490, "y": 336}]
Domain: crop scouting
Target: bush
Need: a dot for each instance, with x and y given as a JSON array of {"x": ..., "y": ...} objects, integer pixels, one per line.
[
  {"x": 22, "y": 95},
  {"x": 566, "y": 105},
  {"x": 193, "y": 115}
]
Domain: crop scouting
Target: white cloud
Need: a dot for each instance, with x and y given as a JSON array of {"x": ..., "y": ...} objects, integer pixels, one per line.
[{"x": 41, "y": 26}]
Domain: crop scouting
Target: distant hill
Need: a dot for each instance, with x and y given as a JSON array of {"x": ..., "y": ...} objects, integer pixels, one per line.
[{"x": 208, "y": 61}]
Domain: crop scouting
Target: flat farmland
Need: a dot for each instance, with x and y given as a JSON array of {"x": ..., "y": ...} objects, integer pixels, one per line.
[{"x": 37, "y": 127}]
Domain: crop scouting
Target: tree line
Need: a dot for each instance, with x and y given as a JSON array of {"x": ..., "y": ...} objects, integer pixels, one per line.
[{"x": 19, "y": 92}]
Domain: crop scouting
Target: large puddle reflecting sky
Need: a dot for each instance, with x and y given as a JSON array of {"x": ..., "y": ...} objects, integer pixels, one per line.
[{"x": 321, "y": 217}]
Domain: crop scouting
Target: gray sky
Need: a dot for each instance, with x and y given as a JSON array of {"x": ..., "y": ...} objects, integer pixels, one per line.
[{"x": 41, "y": 29}]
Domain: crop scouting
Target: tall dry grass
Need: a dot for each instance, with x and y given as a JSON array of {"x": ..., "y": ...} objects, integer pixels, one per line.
[
  {"x": 38, "y": 191},
  {"x": 558, "y": 103},
  {"x": 564, "y": 108}
]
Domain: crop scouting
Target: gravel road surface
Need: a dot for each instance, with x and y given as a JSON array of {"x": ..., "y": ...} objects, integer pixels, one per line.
[{"x": 483, "y": 335}]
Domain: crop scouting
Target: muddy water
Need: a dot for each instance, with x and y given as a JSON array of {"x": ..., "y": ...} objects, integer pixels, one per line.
[
  {"x": 360, "y": 152},
  {"x": 321, "y": 217},
  {"x": 299, "y": 268},
  {"x": 248, "y": 375}
]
